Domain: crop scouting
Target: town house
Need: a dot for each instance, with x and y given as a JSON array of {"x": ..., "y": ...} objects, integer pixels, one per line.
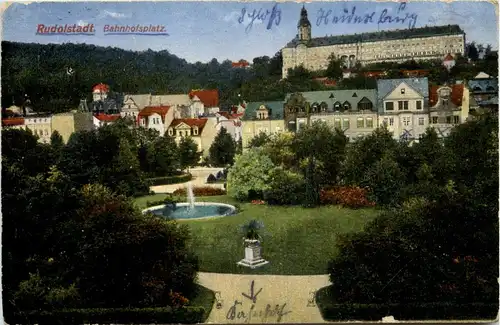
[
  {"x": 266, "y": 117},
  {"x": 156, "y": 118}
]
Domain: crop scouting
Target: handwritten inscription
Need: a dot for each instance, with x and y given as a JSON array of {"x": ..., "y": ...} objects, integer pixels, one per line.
[
  {"x": 351, "y": 17},
  {"x": 238, "y": 312},
  {"x": 261, "y": 15}
]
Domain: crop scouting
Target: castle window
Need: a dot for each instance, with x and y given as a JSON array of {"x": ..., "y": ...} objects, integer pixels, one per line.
[
  {"x": 365, "y": 104},
  {"x": 336, "y": 106},
  {"x": 337, "y": 123},
  {"x": 331, "y": 96},
  {"x": 369, "y": 122},
  {"x": 360, "y": 123},
  {"x": 347, "y": 105},
  {"x": 346, "y": 123},
  {"x": 354, "y": 95},
  {"x": 324, "y": 106}
]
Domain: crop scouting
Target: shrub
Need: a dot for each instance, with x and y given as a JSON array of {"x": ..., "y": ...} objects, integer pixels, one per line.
[
  {"x": 348, "y": 196},
  {"x": 201, "y": 191},
  {"x": 165, "y": 315},
  {"x": 166, "y": 180},
  {"x": 211, "y": 179},
  {"x": 286, "y": 188},
  {"x": 169, "y": 199}
]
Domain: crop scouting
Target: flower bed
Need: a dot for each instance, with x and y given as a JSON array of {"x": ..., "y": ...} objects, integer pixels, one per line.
[
  {"x": 201, "y": 191},
  {"x": 348, "y": 196}
]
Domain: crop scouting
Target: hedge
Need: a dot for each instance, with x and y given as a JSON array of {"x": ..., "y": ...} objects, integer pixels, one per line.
[
  {"x": 408, "y": 311},
  {"x": 166, "y": 180},
  {"x": 165, "y": 315}
]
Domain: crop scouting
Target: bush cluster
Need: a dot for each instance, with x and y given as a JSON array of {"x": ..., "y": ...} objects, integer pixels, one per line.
[
  {"x": 286, "y": 188},
  {"x": 166, "y": 180},
  {"x": 353, "y": 197},
  {"x": 201, "y": 191}
]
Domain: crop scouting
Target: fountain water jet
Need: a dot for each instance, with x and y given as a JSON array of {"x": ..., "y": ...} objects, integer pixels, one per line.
[{"x": 190, "y": 196}]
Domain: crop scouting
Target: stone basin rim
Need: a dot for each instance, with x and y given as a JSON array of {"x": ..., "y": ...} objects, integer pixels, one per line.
[{"x": 183, "y": 204}]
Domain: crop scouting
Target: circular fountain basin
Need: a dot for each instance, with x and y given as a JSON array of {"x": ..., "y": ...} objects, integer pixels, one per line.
[{"x": 199, "y": 211}]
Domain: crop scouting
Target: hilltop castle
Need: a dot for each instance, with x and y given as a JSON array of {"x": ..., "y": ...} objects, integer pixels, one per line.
[{"x": 424, "y": 43}]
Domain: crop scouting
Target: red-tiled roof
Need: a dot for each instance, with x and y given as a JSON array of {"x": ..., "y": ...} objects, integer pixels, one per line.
[
  {"x": 240, "y": 64},
  {"x": 209, "y": 98},
  {"x": 457, "y": 92},
  {"x": 449, "y": 57},
  {"x": 375, "y": 73},
  {"x": 192, "y": 122},
  {"x": 107, "y": 117},
  {"x": 101, "y": 87},
  {"x": 150, "y": 110},
  {"x": 13, "y": 121}
]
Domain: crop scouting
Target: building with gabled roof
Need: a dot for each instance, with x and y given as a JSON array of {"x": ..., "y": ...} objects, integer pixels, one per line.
[
  {"x": 156, "y": 117},
  {"x": 403, "y": 106},
  {"x": 201, "y": 130},
  {"x": 448, "y": 106},
  {"x": 265, "y": 116},
  {"x": 209, "y": 98},
  {"x": 104, "y": 119}
]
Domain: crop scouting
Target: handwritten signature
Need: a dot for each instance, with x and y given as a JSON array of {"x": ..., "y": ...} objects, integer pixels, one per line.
[
  {"x": 352, "y": 17},
  {"x": 273, "y": 16},
  {"x": 234, "y": 312}
]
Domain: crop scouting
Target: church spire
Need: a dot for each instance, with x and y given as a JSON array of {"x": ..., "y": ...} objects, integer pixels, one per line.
[{"x": 304, "y": 26}]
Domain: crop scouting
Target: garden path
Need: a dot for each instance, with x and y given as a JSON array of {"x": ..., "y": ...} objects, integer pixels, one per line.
[
  {"x": 288, "y": 296},
  {"x": 200, "y": 175}
]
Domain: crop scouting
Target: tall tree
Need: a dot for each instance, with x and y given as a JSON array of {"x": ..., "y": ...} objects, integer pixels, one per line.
[
  {"x": 163, "y": 156},
  {"x": 222, "y": 150},
  {"x": 189, "y": 155},
  {"x": 334, "y": 69}
]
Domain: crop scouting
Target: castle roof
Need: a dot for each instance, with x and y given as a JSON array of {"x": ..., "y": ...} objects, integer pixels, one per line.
[
  {"x": 430, "y": 31},
  {"x": 102, "y": 88}
]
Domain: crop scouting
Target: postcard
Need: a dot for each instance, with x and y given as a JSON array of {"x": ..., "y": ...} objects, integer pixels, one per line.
[{"x": 249, "y": 162}]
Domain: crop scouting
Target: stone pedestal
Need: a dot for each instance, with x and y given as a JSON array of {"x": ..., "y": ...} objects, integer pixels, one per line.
[{"x": 253, "y": 258}]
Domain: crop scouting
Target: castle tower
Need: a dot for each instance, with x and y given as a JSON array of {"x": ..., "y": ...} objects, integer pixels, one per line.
[{"x": 304, "y": 26}]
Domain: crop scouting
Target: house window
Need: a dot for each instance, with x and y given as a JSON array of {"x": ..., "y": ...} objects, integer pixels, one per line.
[
  {"x": 195, "y": 130},
  {"x": 360, "y": 123},
  {"x": 448, "y": 119},
  {"x": 170, "y": 132},
  {"x": 369, "y": 122},
  {"x": 419, "y": 104},
  {"x": 402, "y": 90},
  {"x": 405, "y": 105},
  {"x": 420, "y": 121},
  {"x": 406, "y": 121},
  {"x": 347, "y": 106},
  {"x": 346, "y": 123},
  {"x": 434, "y": 120},
  {"x": 456, "y": 119},
  {"x": 337, "y": 106},
  {"x": 391, "y": 121},
  {"x": 337, "y": 123},
  {"x": 389, "y": 106}
]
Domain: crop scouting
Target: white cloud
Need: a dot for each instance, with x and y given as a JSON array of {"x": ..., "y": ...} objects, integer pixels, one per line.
[{"x": 106, "y": 13}]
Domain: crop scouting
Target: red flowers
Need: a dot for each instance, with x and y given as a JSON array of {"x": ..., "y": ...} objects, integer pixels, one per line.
[
  {"x": 258, "y": 202},
  {"x": 201, "y": 191},
  {"x": 177, "y": 299},
  {"x": 348, "y": 196}
]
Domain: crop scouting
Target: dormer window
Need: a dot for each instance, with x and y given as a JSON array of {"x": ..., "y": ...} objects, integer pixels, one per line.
[
  {"x": 195, "y": 130},
  {"x": 402, "y": 91}
]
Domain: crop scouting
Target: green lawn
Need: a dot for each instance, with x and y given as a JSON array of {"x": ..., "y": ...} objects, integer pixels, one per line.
[{"x": 296, "y": 241}]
